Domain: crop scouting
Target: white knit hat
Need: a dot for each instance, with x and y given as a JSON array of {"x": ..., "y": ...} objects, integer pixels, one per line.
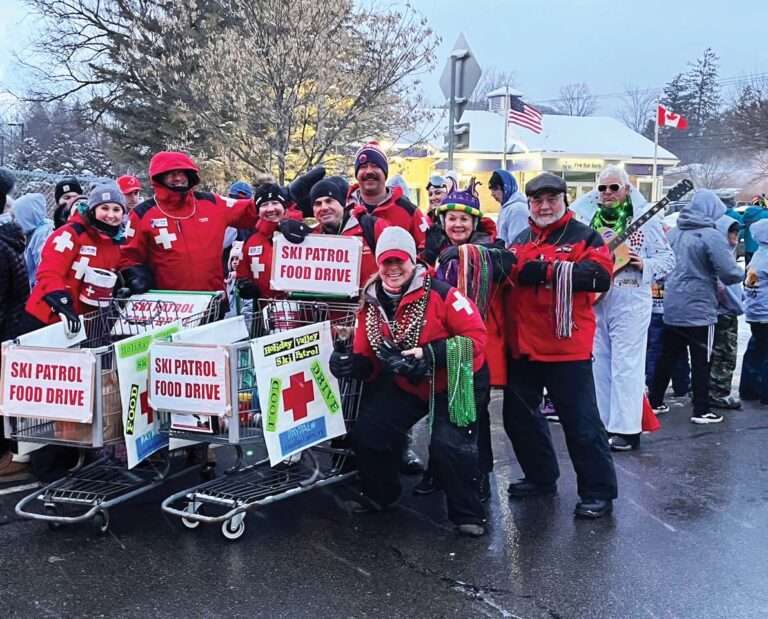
[{"x": 395, "y": 242}]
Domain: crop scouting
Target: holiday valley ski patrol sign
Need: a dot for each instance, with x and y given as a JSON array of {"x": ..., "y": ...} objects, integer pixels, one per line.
[{"x": 299, "y": 397}]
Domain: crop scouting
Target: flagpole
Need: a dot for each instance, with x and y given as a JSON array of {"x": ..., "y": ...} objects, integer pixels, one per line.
[
  {"x": 655, "y": 151},
  {"x": 506, "y": 126}
]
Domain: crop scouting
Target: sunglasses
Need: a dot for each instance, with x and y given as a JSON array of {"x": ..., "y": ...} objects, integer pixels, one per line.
[{"x": 612, "y": 187}]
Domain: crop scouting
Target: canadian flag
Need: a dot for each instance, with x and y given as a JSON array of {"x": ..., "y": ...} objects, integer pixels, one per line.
[{"x": 667, "y": 118}]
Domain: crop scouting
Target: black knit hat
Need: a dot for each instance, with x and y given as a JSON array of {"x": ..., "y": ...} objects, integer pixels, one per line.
[
  {"x": 66, "y": 185},
  {"x": 7, "y": 181},
  {"x": 332, "y": 187},
  {"x": 268, "y": 192}
]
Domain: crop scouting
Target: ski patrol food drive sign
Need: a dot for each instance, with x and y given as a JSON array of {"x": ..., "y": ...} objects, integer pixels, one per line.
[
  {"x": 319, "y": 264},
  {"x": 299, "y": 397},
  {"x": 48, "y": 383}
]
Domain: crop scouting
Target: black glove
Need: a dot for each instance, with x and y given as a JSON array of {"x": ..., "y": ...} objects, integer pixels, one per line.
[
  {"x": 435, "y": 239},
  {"x": 533, "y": 273},
  {"x": 61, "y": 303},
  {"x": 121, "y": 293},
  {"x": 394, "y": 362},
  {"x": 138, "y": 278},
  {"x": 247, "y": 289},
  {"x": 503, "y": 263},
  {"x": 449, "y": 253},
  {"x": 350, "y": 365},
  {"x": 294, "y": 231},
  {"x": 299, "y": 189}
]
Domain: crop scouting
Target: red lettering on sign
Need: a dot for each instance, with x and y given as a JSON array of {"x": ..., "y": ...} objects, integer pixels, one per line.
[
  {"x": 146, "y": 409},
  {"x": 298, "y": 396}
]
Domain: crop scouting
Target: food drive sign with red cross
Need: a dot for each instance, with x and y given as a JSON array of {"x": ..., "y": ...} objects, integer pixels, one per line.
[
  {"x": 321, "y": 263},
  {"x": 48, "y": 383},
  {"x": 299, "y": 397}
]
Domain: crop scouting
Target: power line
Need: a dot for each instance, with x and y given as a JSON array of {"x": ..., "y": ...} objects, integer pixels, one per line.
[{"x": 727, "y": 81}]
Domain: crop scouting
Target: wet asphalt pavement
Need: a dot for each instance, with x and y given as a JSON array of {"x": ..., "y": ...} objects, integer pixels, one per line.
[{"x": 687, "y": 539}]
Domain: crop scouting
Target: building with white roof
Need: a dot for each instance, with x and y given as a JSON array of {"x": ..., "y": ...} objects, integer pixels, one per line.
[{"x": 575, "y": 147}]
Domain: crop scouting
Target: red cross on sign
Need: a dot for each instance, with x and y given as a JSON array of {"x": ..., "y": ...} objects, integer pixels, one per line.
[
  {"x": 298, "y": 396},
  {"x": 146, "y": 409}
]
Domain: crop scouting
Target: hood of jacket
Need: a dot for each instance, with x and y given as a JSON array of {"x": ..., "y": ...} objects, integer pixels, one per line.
[
  {"x": 30, "y": 211},
  {"x": 701, "y": 212},
  {"x": 586, "y": 206},
  {"x": 759, "y": 231},
  {"x": 508, "y": 185}
]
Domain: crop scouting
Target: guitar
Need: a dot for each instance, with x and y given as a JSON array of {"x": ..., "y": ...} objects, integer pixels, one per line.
[{"x": 615, "y": 242}]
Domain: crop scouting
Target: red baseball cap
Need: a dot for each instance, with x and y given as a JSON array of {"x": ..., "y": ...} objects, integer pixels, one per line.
[
  {"x": 400, "y": 254},
  {"x": 128, "y": 184}
]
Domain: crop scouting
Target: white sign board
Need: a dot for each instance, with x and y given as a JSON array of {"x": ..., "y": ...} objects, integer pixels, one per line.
[
  {"x": 299, "y": 397},
  {"x": 141, "y": 428},
  {"x": 48, "y": 383},
  {"x": 53, "y": 336},
  {"x": 189, "y": 378},
  {"x": 322, "y": 263},
  {"x": 156, "y": 308}
]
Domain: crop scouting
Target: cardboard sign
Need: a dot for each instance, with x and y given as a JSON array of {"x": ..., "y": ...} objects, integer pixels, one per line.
[
  {"x": 299, "y": 397},
  {"x": 322, "y": 263},
  {"x": 189, "y": 378},
  {"x": 140, "y": 426},
  {"x": 156, "y": 308},
  {"x": 48, "y": 383}
]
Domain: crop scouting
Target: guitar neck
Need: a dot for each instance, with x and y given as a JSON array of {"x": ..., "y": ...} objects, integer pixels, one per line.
[{"x": 638, "y": 223}]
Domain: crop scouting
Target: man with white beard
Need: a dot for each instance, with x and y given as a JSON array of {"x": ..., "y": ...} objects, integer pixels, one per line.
[{"x": 550, "y": 325}]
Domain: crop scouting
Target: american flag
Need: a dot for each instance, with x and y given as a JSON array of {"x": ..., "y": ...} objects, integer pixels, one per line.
[{"x": 524, "y": 115}]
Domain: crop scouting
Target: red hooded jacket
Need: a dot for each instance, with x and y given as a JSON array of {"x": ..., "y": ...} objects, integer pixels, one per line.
[
  {"x": 530, "y": 310},
  {"x": 65, "y": 255},
  {"x": 398, "y": 211},
  {"x": 179, "y": 235},
  {"x": 448, "y": 313}
]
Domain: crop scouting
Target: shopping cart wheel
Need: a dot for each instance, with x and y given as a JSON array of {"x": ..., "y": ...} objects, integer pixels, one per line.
[
  {"x": 101, "y": 521},
  {"x": 192, "y": 507},
  {"x": 234, "y": 528},
  {"x": 52, "y": 510}
]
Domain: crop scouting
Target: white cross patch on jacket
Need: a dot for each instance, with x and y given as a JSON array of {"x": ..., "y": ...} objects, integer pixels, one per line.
[
  {"x": 461, "y": 304},
  {"x": 80, "y": 267},
  {"x": 164, "y": 238},
  {"x": 63, "y": 242}
]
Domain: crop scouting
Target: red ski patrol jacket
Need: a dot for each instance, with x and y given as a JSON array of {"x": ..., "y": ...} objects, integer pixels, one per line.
[
  {"x": 530, "y": 310},
  {"x": 448, "y": 313},
  {"x": 368, "y": 228},
  {"x": 179, "y": 235},
  {"x": 398, "y": 211},
  {"x": 65, "y": 256},
  {"x": 256, "y": 263}
]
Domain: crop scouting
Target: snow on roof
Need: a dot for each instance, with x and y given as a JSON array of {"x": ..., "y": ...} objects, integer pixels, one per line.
[
  {"x": 500, "y": 92},
  {"x": 573, "y": 135}
]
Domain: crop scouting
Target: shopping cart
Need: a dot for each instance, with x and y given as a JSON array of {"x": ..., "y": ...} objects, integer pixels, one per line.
[
  {"x": 101, "y": 479},
  {"x": 248, "y": 486}
]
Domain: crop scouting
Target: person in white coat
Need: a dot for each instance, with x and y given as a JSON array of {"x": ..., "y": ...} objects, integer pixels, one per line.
[{"x": 624, "y": 312}]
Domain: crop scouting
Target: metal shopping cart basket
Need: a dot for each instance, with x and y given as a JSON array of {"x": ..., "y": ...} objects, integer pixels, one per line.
[
  {"x": 246, "y": 487},
  {"x": 91, "y": 488}
]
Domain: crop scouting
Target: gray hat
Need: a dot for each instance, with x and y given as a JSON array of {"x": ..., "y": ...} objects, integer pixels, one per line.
[
  {"x": 545, "y": 182},
  {"x": 105, "y": 192},
  {"x": 395, "y": 242}
]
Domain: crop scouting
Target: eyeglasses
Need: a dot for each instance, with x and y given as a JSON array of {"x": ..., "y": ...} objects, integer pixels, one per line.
[{"x": 612, "y": 187}]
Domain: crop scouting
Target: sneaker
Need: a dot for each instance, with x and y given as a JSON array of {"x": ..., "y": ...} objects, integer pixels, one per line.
[
  {"x": 708, "y": 417},
  {"x": 523, "y": 488},
  {"x": 618, "y": 442},
  {"x": 471, "y": 530},
  {"x": 410, "y": 463},
  {"x": 661, "y": 409},
  {"x": 593, "y": 508},
  {"x": 427, "y": 485},
  {"x": 729, "y": 403}
]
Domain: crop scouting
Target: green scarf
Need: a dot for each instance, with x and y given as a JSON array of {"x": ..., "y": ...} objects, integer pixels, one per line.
[{"x": 616, "y": 218}]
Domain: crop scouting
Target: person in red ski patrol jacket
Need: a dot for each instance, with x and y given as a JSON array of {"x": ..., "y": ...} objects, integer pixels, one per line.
[
  {"x": 550, "y": 325},
  {"x": 67, "y": 284},
  {"x": 461, "y": 245},
  {"x": 372, "y": 193},
  {"x": 253, "y": 271},
  {"x": 416, "y": 339},
  {"x": 328, "y": 197},
  {"x": 174, "y": 239}
]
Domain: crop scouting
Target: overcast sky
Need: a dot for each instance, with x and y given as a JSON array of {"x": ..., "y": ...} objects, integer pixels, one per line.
[{"x": 607, "y": 44}]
